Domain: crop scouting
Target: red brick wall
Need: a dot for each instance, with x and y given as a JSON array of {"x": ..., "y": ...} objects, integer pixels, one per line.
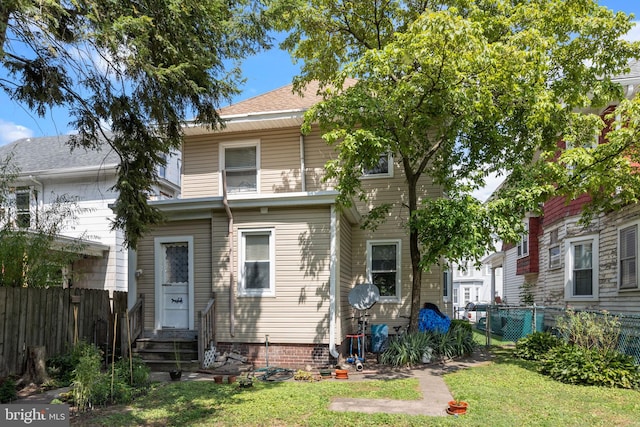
[{"x": 293, "y": 356}]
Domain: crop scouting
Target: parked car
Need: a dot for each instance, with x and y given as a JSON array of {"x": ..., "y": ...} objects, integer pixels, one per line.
[{"x": 474, "y": 311}]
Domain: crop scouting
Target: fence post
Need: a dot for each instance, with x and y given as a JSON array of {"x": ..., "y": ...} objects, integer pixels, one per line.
[
  {"x": 488, "y": 326},
  {"x": 533, "y": 319}
]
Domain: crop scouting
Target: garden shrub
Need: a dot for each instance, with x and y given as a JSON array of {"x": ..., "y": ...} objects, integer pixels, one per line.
[
  {"x": 577, "y": 365},
  {"x": 590, "y": 330},
  {"x": 87, "y": 377},
  {"x": 141, "y": 372},
  {"x": 409, "y": 348},
  {"x": 60, "y": 367},
  {"x": 536, "y": 345},
  {"x": 457, "y": 341},
  {"x": 7, "y": 390},
  {"x": 92, "y": 387}
]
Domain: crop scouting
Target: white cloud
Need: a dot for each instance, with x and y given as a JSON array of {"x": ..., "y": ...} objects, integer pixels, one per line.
[
  {"x": 10, "y": 132},
  {"x": 634, "y": 33},
  {"x": 492, "y": 182}
]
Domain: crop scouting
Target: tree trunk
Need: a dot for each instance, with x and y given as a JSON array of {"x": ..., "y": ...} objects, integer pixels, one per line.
[
  {"x": 414, "y": 249},
  {"x": 36, "y": 371}
]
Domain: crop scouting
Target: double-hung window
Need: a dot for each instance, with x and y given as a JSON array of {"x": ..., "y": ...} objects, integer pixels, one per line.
[
  {"x": 257, "y": 262},
  {"x": 581, "y": 268},
  {"x": 23, "y": 207},
  {"x": 628, "y": 257},
  {"x": 523, "y": 245},
  {"x": 383, "y": 265},
  {"x": 240, "y": 162},
  {"x": 384, "y": 167}
]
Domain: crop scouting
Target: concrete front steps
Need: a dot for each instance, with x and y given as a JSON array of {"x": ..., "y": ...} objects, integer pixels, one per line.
[{"x": 160, "y": 354}]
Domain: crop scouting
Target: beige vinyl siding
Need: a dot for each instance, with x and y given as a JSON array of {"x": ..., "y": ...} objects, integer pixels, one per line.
[
  {"x": 344, "y": 275},
  {"x": 200, "y": 230},
  {"x": 279, "y": 161},
  {"x": 299, "y": 311},
  {"x": 200, "y": 162},
  {"x": 317, "y": 154}
]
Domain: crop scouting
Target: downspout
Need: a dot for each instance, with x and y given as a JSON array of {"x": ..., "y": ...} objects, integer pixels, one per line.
[
  {"x": 232, "y": 294},
  {"x": 332, "y": 284},
  {"x": 303, "y": 174}
]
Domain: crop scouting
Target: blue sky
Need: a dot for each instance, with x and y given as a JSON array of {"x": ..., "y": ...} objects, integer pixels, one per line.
[{"x": 263, "y": 72}]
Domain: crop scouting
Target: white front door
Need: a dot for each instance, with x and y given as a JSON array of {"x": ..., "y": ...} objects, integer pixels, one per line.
[{"x": 174, "y": 283}]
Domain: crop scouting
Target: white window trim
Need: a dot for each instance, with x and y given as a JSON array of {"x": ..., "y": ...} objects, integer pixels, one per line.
[
  {"x": 221, "y": 155},
  {"x": 522, "y": 250},
  {"x": 388, "y": 174},
  {"x": 568, "y": 268},
  {"x": 387, "y": 299},
  {"x": 558, "y": 263},
  {"x": 242, "y": 291},
  {"x": 158, "y": 274},
  {"x": 627, "y": 225}
]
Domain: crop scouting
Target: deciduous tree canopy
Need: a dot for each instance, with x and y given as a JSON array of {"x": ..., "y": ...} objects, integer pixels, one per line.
[
  {"x": 455, "y": 90},
  {"x": 140, "y": 68}
]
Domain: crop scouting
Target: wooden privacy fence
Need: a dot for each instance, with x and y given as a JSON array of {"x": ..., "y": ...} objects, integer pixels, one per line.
[{"x": 56, "y": 319}]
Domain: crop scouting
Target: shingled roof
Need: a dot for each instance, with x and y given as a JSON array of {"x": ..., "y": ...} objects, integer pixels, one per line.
[
  {"x": 281, "y": 99},
  {"x": 53, "y": 152}
]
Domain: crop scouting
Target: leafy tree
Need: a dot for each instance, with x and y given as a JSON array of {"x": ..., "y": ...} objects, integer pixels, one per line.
[
  {"x": 34, "y": 256},
  {"x": 455, "y": 90},
  {"x": 141, "y": 68}
]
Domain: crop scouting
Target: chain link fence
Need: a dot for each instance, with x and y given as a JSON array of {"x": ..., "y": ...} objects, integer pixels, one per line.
[{"x": 509, "y": 324}]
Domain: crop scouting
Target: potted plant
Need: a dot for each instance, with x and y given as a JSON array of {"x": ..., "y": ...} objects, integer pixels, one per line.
[
  {"x": 176, "y": 373},
  {"x": 457, "y": 407}
]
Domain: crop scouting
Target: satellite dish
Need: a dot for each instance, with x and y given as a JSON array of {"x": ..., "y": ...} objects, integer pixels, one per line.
[{"x": 364, "y": 296}]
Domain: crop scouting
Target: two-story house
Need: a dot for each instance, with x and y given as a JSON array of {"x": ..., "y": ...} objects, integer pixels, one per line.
[
  {"x": 48, "y": 169},
  {"x": 258, "y": 235},
  {"x": 559, "y": 262}
]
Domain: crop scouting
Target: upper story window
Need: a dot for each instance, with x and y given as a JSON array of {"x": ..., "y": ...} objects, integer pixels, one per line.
[
  {"x": 162, "y": 168},
  {"x": 581, "y": 268},
  {"x": 241, "y": 164},
  {"x": 384, "y": 168},
  {"x": 523, "y": 244},
  {"x": 383, "y": 265},
  {"x": 257, "y": 262},
  {"x": 22, "y": 209},
  {"x": 554, "y": 250},
  {"x": 628, "y": 257}
]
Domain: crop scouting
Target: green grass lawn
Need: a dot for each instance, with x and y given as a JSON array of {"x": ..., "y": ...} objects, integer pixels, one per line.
[{"x": 507, "y": 392}]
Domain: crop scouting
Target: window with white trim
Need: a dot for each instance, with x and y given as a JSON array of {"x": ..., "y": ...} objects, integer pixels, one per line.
[
  {"x": 383, "y": 265},
  {"x": 555, "y": 260},
  {"x": 22, "y": 207},
  {"x": 628, "y": 257},
  {"x": 257, "y": 262},
  {"x": 240, "y": 162},
  {"x": 581, "y": 268},
  {"x": 384, "y": 168},
  {"x": 523, "y": 245}
]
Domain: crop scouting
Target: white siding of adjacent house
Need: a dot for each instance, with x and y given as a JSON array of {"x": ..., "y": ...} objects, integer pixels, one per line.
[{"x": 512, "y": 282}]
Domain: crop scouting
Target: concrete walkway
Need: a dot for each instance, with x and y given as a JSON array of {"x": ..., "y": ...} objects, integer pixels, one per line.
[{"x": 435, "y": 396}]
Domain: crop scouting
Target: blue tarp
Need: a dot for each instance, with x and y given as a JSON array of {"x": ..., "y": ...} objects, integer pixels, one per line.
[{"x": 431, "y": 318}]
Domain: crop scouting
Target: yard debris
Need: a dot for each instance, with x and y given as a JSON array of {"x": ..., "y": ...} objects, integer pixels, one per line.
[{"x": 228, "y": 362}]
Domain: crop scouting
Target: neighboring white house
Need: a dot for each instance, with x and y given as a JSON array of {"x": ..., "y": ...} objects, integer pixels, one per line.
[
  {"x": 47, "y": 169},
  {"x": 471, "y": 284}
]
